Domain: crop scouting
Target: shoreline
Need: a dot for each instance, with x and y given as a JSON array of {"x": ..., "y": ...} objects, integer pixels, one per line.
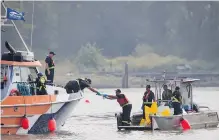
[
  {"x": 133, "y": 86},
  {"x": 116, "y": 82}
]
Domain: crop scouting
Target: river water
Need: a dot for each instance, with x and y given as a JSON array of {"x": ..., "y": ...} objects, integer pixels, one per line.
[{"x": 96, "y": 120}]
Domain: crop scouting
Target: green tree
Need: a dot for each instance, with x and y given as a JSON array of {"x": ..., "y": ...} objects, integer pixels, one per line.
[
  {"x": 89, "y": 56},
  {"x": 142, "y": 50}
]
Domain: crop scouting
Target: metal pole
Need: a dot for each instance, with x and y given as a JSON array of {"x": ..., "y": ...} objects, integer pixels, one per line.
[
  {"x": 31, "y": 39},
  {"x": 191, "y": 97},
  {"x": 25, "y": 45}
]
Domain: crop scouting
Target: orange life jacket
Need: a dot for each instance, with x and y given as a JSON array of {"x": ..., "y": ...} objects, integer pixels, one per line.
[{"x": 5, "y": 78}]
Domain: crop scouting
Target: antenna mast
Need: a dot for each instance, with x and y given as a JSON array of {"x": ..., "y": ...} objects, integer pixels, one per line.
[
  {"x": 31, "y": 39},
  {"x": 25, "y": 45}
]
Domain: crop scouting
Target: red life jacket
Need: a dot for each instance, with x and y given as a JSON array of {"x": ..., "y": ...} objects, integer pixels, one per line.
[
  {"x": 146, "y": 95},
  {"x": 122, "y": 101}
]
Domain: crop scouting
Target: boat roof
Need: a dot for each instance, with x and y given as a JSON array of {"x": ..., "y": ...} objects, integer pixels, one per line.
[
  {"x": 182, "y": 80},
  {"x": 24, "y": 64}
]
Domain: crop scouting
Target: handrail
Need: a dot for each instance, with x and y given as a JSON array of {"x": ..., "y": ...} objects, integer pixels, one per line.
[
  {"x": 166, "y": 101},
  {"x": 40, "y": 104},
  {"x": 203, "y": 107}
]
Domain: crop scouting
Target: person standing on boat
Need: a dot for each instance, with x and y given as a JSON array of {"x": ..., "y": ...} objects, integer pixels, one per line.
[
  {"x": 177, "y": 101},
  {"x": 50, "y": 67},
  {"x": 148, "y": 98},
  {"x": 74, "y": 86},
  {"x": 124, "y": 103},
  {"x": 167, "y": 93}
]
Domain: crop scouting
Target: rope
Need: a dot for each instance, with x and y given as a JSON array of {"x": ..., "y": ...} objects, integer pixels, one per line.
[{"x": 24, "y": 89}]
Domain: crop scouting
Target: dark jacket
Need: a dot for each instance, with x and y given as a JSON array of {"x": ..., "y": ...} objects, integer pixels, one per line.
[
  {"x": 177, "y": 95},
  {"x": 74, "y": 86}
]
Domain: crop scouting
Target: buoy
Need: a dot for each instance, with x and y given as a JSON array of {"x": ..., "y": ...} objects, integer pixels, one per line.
[
  {"x": 52, "y": 125},
  {"x": 185, "y": 124},
  {"x": 87, "y": 101},
  {"x": 25, "y": 123}
]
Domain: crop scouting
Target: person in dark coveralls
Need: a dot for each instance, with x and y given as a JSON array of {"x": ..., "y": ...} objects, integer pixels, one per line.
[
  {"x": 148, "y": 98},
  {"x": 74, "y": 86},
  {"x": 124, "y": 103},
  {"x": 50, "y": 67},
  {"x": 177, "y": 101}
]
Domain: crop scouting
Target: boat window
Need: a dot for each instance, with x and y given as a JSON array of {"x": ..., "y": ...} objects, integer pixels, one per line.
[
  {"x": 4, "y": 69},
  {"x": 3, "y": 73},
  {"x": 24, "y": 74},
  {"x": 28, "y": 74},
  {"x": 33, "y": 73}
]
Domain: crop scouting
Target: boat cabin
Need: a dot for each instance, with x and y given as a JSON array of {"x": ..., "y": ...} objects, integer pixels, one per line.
[
  {"x": 185, "y": 85},
  {"x": 18, "y": 70}
]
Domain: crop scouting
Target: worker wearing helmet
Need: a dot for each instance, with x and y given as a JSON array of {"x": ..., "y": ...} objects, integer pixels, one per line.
[
  {"x": 41, "y": 84},
  {"x": 177, "y": 101}
]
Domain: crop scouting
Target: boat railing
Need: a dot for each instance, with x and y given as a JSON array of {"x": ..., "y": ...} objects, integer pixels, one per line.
[
  {"x": 159, "y": 100},
  {"x": 203, "y": 107},
  {"x": 26, "y": 88},
  {"x": 53, "y": 84},
  {"x": 29, "y": 88}
]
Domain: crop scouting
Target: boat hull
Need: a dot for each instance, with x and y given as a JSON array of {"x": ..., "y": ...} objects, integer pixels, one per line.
[
  {"x": 207, "y": 119},
  {"x": 196, "y": 120},
  {"x": 41, "y": 125},
  {"x": 38, "y": 110}
]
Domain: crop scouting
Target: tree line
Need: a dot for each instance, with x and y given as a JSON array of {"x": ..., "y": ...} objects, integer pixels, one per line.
[{"x": 184, "y": 29}]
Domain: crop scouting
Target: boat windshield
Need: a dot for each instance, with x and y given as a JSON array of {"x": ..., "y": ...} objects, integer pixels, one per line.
[
  {"x": 159, "y": 87},
  {"x": 28, "y": 74},
  {"x": 15, "y": 75}
]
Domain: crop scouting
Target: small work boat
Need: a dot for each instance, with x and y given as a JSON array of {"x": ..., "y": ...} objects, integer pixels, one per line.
[
  {"x": 30, "y": 113},
  {"x": 202, "y": 117}
]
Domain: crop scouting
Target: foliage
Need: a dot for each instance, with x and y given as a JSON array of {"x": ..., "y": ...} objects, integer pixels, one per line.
[
  {"x": 144, "y": 58},
  {"x": 89, "y": 56},
  {"x": 146, "y": 34},
  {"x": 142, "y": 50}
]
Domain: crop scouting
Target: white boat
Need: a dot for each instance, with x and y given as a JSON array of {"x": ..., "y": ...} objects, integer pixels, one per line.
[{"x": 201, "y": 118}]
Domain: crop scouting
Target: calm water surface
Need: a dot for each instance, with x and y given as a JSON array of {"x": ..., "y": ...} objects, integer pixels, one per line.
[{"x": 96, "y": 121}]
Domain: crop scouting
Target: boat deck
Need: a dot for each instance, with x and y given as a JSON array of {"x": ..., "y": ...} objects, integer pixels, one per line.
[{"x": 137, "y": 128}]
